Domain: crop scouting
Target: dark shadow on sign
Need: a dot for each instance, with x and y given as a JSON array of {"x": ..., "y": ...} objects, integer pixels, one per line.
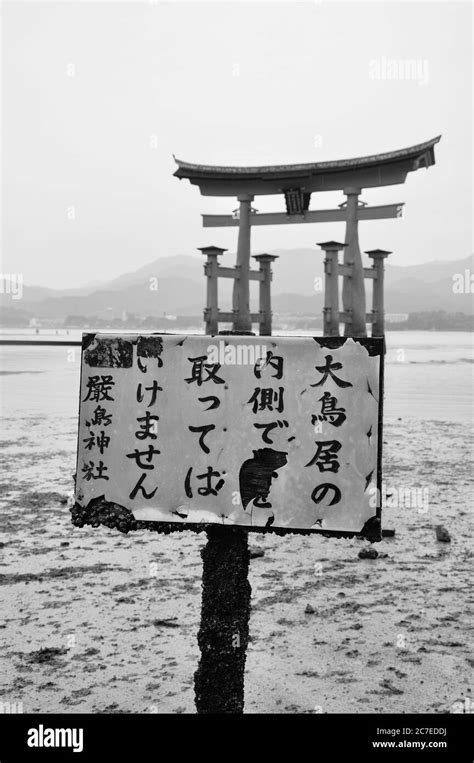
[{"x": 255, "y": 476}]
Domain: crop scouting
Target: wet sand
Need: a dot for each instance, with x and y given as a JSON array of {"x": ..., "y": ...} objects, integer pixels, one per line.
[{"x": 94, "y": 621}]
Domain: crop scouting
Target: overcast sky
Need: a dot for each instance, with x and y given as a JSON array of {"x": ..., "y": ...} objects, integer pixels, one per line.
[{"x": 97, "y": 97}]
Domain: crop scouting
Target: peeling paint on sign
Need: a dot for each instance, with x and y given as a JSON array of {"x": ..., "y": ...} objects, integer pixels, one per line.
[{"x": 267, "y": 433}]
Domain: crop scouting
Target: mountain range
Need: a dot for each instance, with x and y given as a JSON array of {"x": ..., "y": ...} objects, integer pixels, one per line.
[{"x": 177, "y": 285}]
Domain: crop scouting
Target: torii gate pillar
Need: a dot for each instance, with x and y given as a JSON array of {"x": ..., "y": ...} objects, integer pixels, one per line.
[
  {"x": 265, "y": 262},
  {"x": 331, "y": 250},
  {"x": 211, "y": 269},
  {"x": 353, "y": 291},
  {"x": 378, "y": 256},
  {"x": 241, "y": 295}
]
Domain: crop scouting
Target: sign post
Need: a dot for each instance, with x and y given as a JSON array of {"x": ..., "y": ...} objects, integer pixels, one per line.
[
  {"x": 230, "y": 434},
  {"x": 225, "y": 614}
]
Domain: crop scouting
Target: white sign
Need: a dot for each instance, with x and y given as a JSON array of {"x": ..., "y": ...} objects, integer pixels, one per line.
[{"x": 281, "y": 432}]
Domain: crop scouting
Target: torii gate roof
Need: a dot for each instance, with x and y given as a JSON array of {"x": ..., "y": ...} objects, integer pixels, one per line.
[{"x": 362, "y": 172}]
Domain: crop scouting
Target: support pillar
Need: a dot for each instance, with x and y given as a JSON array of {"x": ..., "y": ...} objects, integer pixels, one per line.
[
  {"x": 241, "y": 294},
  {"x": 224, "y": 631},
  {"x": 225, "y": 613},
  {"x": 210, "y": 270},
  {"x": 378, "y": 324},
  {"x": 265, "y": 262},
  {"x": 353, "y": 290},
  {"x": 331, "y": 287}
]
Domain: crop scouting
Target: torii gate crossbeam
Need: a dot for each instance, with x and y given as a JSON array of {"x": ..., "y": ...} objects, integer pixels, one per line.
[
  {"x": 382, "y": 212},
  {"x": 296, "y": 182}
]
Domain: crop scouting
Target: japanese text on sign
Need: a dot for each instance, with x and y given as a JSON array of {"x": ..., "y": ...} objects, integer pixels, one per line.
[{"x": 194, "y": 429}]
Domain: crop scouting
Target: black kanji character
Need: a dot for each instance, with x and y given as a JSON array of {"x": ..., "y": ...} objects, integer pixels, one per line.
[
  {"x": 268, "y": 397},
  {"x": 88, "y": 470},
  {"x": 329, "y": 412},
  {"x": 275, "y": 361},
  {"x": 327, "y": 370},
  {"x": 101, "y": 440},
  {"x": 101, "y": 416},
  {"x": 199, "y": 366},
  {"x": 325, "y": 458},
  {"x": 98, "y": 388},
  {"x": 89, "y": 441}
]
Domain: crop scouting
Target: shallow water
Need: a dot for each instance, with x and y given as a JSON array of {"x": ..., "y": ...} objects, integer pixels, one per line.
[
  {"x": 429, "y": 375},
  {"x": 386, "y": 635}
]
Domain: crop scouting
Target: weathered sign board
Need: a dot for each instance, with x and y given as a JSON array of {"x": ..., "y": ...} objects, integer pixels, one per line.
[{"x": 256, "y": 432}]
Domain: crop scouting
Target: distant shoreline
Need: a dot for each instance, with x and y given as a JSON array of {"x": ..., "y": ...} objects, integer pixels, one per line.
[
  {"x": 283, "y": 323},
  {"x": 60, "y": 339}
]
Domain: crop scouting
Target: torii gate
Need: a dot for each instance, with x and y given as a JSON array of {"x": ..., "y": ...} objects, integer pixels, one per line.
[{"x": 297, "y": 182}]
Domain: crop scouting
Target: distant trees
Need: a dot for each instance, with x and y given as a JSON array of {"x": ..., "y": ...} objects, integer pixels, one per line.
[
  {"x": 436, "y": 320},
  {"x": 13, "y": 318},
  {"x": 76, "y": 321},
  {"x": 133, "y": 322}
]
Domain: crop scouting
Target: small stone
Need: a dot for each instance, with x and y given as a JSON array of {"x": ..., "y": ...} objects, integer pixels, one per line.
[
  {"x": 368, "y": 553},
  {"x": 442, "y": 534},
  {"x": 168, "y": 622},
  {"x": 389, "y": 687},
  {"x": 309, "y": 610},
  {"x": 255, "y": 552}
]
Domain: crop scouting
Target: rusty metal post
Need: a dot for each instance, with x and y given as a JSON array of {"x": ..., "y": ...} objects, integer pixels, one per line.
[{"x": 225, "y": 613}]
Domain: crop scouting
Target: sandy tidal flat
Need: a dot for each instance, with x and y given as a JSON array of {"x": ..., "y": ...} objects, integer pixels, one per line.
[{"x": 94, "y": 621}]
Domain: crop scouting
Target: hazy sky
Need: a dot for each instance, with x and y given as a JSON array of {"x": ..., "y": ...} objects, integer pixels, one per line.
[{"x": 97, "y": 97}]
